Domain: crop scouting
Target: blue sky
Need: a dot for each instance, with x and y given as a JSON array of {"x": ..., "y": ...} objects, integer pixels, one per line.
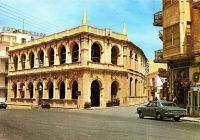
[{"x": 67, "y": 14}]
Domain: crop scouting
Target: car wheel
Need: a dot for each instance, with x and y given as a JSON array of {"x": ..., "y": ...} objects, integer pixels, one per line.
[
  {"x": 158, "y": 116},
  {"x": 177, "y": 118},
  {"x": 141, "y": 115}
]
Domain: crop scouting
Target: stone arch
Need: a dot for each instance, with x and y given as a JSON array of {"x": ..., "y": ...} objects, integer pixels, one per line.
[
  {"x": 14, "y": 87},
  {"x": 41, "y": 57},
  {"x": 22, "y": 90},
  {"x": 32, "y": 59},
  {"x": 31, "y": 89},
  {"x": 114, "y": 89},
  {"x": 114, "y": 54},
  {"x": 74, "y": 89},
  {"x": 75, "y": 52},
  {"x": 62, "y": 90},
  {"x": 95, "y": 93},
  {"x": 136, "y": 87},
  {"x": 50, "y": 88},
  {"x": 16, "y": 61},
  {"x": 131, "y": 81},
  {"x": 23, "y": 60},
  {"x": 62, "y": 54},
  {"x": 96, "y": 52},
  {"x": 100, "y": 82}
]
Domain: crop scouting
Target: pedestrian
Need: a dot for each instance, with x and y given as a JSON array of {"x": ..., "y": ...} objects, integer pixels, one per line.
[
  {"x": 156, "y": 99},
  {"x": 175, "y": 100}
]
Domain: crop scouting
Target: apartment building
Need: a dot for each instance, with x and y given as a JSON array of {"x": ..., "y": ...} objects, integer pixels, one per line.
[{"x": 180, "y": 20}]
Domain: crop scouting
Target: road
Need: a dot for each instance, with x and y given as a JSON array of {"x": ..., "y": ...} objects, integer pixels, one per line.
[{"x": 113, "y": 123}]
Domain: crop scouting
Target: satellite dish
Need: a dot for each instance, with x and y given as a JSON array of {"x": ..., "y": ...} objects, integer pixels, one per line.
[{"x": 195, "y": 77}]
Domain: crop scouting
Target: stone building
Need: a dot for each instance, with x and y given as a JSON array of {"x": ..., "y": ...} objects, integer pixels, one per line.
[
  {"x": 180, "y": 20},
  {"x": 100, "y": 63},
  {"x": 157, "y": 81},
  {"x": 8, "y": 39}
]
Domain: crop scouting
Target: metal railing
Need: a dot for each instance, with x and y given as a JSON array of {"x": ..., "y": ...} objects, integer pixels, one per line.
[{"x": 158, "y": 19}]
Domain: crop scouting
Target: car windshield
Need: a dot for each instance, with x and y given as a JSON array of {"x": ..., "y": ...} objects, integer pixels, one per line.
[{"x": 169, "y": 104}]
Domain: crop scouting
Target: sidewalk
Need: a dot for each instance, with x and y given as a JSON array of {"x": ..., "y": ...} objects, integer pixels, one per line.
[{"x": 193, "y": 119}]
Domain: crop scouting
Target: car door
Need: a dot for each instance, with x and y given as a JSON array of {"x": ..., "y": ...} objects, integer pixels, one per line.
[
  {"x": 153, "y": 109},
  {"x": 146, "y": 111}
]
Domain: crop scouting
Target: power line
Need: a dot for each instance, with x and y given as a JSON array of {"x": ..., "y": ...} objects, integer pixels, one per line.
[
  {"x": 26, "y": 23},
  {"x": 30, "y": 16},
  {"x": 23, "y": 18}
]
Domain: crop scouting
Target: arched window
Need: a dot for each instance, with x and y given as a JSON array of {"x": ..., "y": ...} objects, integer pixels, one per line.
[
  {"x": 32, "y": 60},
  {"x": 131, "y": 79},
  {"x": 51, "y": 57},
  {"x": 62, "y": 55},
  {"x": 95, "y": 54},
  {"x": 41, "y": 59},
  {"x": 136, "y": 87},
  {"x": 62, "y": 90},
  {"x": 22, "y": 90},
  {"x": 31, "y": 89},
  {"x": 16, "y": 63},
  {"x": 15, "y": 90},
  {"x": 50, "y": 90},
  {"x": 131, "y": 54},
  {"x": 136, "y": 56},
  {"x": 75, "y": 53},
  {"x": 114, "y": 55},
  {"x": 23, "y": 60},
  {"x": 74, "y": 89},
  {"x": 113, "y": 90}
]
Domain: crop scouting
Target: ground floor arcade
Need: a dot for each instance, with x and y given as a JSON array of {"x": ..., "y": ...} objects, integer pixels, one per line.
[{"x": 59, "y": 89}]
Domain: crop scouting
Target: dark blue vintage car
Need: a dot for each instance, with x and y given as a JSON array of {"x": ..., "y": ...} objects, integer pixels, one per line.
[
  {"x": 3, "y": 105},
  {"x": 161, "y": 109}
]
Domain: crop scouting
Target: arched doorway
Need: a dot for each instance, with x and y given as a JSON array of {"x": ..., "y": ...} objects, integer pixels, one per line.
[
  {"x": 113, "y": 90},
  {"x": 40, "y": 92},
  {"x": 62, "y": 90},
  {"x": 50, "y": 90},
  {"x": 31, "y": 89},
  {"x": 62, "y": 55},
  {"x": 74, "y": 89},
  {"x": 95, "y": 54},
  {"x": 136, "y": 87},
  {"x": 15, "y": 90},
  {"x": 95, "y": 93},
  {"x": 131, "y": 79},
  {"x": 22, "y": 90}
]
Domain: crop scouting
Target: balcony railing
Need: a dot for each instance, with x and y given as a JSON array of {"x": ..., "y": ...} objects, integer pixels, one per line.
[
  {"x": 158, "y": 19},
  {"x": 159, "y": 57},
  {"x": 160, "y": 35},
  {"x": 196, "y": 5}
]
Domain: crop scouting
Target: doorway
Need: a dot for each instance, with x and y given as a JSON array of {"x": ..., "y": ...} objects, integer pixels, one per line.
[{"x": 95, "y": 93}]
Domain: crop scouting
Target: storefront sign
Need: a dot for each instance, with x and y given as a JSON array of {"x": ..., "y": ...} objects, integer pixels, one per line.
[
  {"x": 195, "y": 85},
  {"x": 185, "y": 83},
  {"x": 8, "y": 29}
]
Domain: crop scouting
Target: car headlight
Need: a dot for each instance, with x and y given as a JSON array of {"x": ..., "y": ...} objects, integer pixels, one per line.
[{"x": 168, "y": 112}]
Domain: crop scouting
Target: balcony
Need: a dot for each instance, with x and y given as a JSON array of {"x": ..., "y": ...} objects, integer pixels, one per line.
[
  {"x": 160, "y": 35},
  {"x": 196, "y": 5},
  {"x": 158, "y": 19},
  {"x": 159, "y": 57}
]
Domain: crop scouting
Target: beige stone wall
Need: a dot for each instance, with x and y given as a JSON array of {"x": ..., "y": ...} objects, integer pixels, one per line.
[{"x": 84, "y": 71}]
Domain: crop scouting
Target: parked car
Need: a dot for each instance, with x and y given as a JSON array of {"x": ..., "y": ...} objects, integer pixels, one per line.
[
  {"x": 3, "y": 105},
  {"x": 161, "y": 109}
]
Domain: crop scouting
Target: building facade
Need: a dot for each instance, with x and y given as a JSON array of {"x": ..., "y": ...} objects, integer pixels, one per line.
[
  {"x": 180, "y": 20},
  {"x": 6, "y": 40},
  {"x": 157, "y": 81},
  {"x": 100, "y": 63}
]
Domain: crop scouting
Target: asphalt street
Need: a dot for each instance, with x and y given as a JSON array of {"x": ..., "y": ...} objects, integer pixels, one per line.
[{"x": 114, "y": 123}]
